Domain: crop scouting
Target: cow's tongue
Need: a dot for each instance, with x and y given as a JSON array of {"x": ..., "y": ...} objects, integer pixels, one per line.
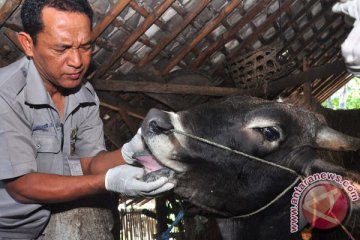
[
  {"x": 153, "y": 170},
  {"x": 149, "y": 162}
]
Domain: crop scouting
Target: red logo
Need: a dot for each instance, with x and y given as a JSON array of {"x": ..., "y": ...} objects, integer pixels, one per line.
[{"x": 325, "y": 205}]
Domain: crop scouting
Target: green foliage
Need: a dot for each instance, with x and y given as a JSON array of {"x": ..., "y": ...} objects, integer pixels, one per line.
[{"x": 352, "y": 96}]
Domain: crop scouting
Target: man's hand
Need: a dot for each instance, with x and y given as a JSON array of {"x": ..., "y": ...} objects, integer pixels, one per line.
[
  {"x": 135, "y": 145},
  {"x": 126, "y": 180},
  {"x": 349, "y": 48}
]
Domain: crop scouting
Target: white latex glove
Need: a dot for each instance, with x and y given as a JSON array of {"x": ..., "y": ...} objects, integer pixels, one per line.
[
  {"x": 126, "y": 180},
  {"x": 135, "y": 145},
  {"x": 348, "y": 7},
  {"x": 350, "y": 49}
]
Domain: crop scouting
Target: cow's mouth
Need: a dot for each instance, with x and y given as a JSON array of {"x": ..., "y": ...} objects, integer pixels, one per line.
[{"x": 153, "y": 169}]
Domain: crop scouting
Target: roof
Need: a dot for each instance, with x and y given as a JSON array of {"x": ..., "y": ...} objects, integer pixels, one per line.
[{"x": 174, "y": 54}]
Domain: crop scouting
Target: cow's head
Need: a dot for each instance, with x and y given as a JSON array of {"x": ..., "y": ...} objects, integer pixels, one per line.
[{"x": 228, "y": 184}]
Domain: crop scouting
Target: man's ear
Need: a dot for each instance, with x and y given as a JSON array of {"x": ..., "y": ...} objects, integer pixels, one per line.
[{"x": 26, "y": 43}]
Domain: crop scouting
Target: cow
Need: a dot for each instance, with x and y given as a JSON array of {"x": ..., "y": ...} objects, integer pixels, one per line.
[{"x": 239, "y": 158}]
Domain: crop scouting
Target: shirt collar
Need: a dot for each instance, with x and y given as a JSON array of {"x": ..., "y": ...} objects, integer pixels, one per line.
[
  {"x": 36, "y": 93},
  {"x": 86, "y": 94}
]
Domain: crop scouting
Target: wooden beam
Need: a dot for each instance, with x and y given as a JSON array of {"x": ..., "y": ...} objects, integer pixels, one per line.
[
  {"x": 203, "y": 33},
  {"x": 274, "y": 87},
  {"x": 307, "y": 85},
  {"x": 313, "y": 73},
  {"x": 109, "y": 17},
  {"x": 7, "y": 9},
  {"x": 169, "y": 37},
  {"x": 322, "y": 85},
  {"x": 152, "y": 87},
  {"x": 133, "y": 37}
]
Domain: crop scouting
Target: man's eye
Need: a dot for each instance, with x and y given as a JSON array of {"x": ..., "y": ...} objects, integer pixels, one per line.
[
  {"x": 86, "y": 47},
  {"x": 60, "y": 50},
  {"x": 270, "y": 133}
]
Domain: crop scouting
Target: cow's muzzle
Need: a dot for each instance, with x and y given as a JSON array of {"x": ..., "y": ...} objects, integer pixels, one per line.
[{"x": 156, "y": 122}]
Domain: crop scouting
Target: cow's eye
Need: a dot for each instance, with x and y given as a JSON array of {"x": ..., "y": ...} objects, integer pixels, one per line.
[{"x": 270, "y": 133}]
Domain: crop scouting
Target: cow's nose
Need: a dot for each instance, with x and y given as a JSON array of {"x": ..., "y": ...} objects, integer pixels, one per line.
[{"x": 156, "y": 122}]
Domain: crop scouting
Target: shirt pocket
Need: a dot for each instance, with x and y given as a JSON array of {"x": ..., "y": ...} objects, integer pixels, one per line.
[{"x": 46, "y": 143}]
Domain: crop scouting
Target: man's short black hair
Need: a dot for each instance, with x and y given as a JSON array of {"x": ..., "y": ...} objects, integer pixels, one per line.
[{"x": 31, "y": 13}]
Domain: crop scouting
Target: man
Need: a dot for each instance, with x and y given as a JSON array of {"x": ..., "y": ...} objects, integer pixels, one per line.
[{"x": 50, "y": 129}]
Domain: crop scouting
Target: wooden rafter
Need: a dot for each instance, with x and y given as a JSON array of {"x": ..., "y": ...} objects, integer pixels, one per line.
[
  {"x": 314, "y": 37},
  {"x": 133, "y": 37},
  {"x": 204, "y": 32},
  {"x": 337, "y": 83},
  {"x": 319, "y": 60},
  {"x": 292, "y": 21},
  {"x": 166, "y": 40},
  {"x": 260, "y": 30},
  {"x": 109, "y": 17},
  {"x": 322, "y": 85},
  {"x": 143, "y": 12},
  {"x": 230, "y": 34}
]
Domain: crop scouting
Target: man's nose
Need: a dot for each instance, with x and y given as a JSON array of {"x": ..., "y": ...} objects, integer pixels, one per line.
[{"x": 75, "y": 58}]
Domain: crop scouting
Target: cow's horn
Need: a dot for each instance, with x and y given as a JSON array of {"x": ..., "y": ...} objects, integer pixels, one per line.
[{"x": 331, "y": 139}]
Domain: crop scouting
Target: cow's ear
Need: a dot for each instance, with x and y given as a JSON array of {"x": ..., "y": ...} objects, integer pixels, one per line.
[{"x": 328, "y": 138}]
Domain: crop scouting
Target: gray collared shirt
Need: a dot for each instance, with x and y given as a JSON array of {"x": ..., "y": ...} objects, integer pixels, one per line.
[{"x": 34, "y": 139}]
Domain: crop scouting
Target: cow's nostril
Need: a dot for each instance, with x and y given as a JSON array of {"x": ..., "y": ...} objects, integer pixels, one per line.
[
  {"x": 157, "y": 128},
  {"x": 157, "y": 122},
  {"x": 154, "y": 127}
]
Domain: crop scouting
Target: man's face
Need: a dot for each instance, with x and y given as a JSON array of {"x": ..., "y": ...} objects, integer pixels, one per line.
[{"x": 63, "y": 49}]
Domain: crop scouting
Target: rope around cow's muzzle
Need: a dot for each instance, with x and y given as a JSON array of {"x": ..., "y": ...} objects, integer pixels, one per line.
[{"x": 298, "y": 176}]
